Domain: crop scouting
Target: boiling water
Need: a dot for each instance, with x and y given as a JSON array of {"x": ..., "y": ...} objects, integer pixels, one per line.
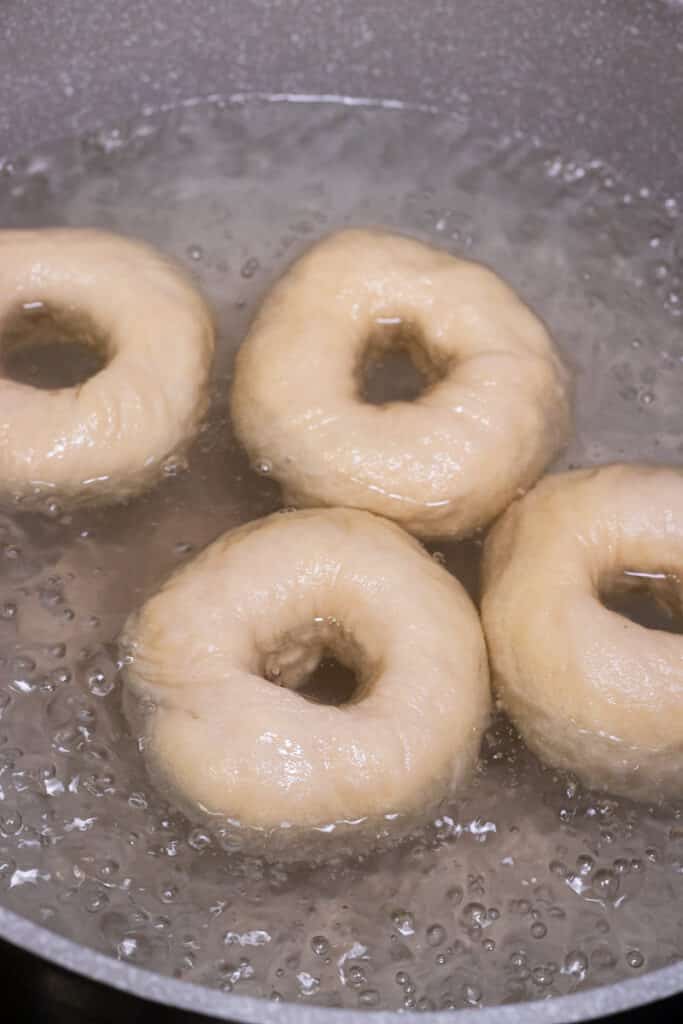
[{"x": 529, "y": 885}]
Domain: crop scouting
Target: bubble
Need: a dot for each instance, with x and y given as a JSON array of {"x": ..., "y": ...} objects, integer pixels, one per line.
[
  {"x": 474, "y": 913},
  {"x": 108, "y": 140},
  {"x": 472, "y": 995},
  {"x": 436, "y": 934},
  {"x": 308, "y": 984},
  {"x": 7, "y": 869},
  {"x": 605, "y": 884},
  {"x": 11, "y": 824},
  {"x": 8, "y": 610},
  {"x": 584, "y": 864},
  {"x": 575, "y": 964},
  {"x": 404, "y": 922},
  {"x": 635, "y": 959},
  {"x": 356, "y": 976},
  {"x": 542, "y": 976},
  {"x": 108, "y": 869},
  {"x": 264, "y": 467},
  {"x": 402, "y": 978},
  {"x": 538, "y": 930},
  {"x": 320, "y": 946},
  {"x": 198, "y": 839},
  {"x": 95, "y": 900},
  {"x": 195, "y": 252},
  {"x": 249, "y": 267},
  {"x": 99, "y": 684}
]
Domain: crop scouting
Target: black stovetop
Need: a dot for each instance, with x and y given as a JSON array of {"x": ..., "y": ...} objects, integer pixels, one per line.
[{"x": 37, "y": 992}]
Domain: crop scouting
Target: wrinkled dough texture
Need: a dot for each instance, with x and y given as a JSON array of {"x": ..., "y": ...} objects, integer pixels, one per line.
[
  {"x": 590, "y": 690},
  {"x": 263, "y": 758},
  {"x": 108, "y": 437},
  {"x": 442, "y": 465}
]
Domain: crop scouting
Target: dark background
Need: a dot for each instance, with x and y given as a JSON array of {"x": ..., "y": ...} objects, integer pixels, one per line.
[{"x": 36, "y": 991}]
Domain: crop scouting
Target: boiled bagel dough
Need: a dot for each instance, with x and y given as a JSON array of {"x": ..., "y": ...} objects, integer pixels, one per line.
[
  {"x": 109, "y": 436},
  {"x": 265, "y": 600},
  {"x": 495, "y": 413},
  {"x": 590, "y": 690}
]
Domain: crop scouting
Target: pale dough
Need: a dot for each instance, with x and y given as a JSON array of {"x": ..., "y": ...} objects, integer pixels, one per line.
[
  {"x": 228, "y": 742},
  {"x": 108, "y": 437},
  {"x": 590, "y": 690},
  {"x": 495, "y": 414}
]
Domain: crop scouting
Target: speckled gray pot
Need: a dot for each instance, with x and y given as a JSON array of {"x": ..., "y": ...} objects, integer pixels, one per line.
[{"x": 602, "y": 77}]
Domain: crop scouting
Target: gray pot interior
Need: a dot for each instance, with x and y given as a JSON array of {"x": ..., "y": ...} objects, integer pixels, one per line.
[{"x": 600, "y": 78}]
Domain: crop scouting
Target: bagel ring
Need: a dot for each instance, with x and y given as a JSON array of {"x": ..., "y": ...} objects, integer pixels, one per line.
[
  {"x": 263, "y": 601},
  {"x": 590, "y": 690},
  {"x": 109, "y": 436},
  {"x": 494, "y": 414}
]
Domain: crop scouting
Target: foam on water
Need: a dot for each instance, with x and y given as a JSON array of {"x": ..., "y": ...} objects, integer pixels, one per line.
[{"x": 529, "y": 886}]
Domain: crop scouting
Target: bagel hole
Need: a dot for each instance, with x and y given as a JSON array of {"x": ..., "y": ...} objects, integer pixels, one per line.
[
  {"x": 331, "y": 682},
  {"x": 49, "y": 348},
  {"x": 395, "y": 365},
  {"x": 322, "y": 663},
  {"x": 650, "y": 599}
]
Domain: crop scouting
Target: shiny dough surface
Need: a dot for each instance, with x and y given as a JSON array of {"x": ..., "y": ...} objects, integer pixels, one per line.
[
  {"x": 590, "y": 690},
  {"x": 224, "y": 739},
  {"x": 494, "y": 413},
  {"x": 107, "y": 437}
]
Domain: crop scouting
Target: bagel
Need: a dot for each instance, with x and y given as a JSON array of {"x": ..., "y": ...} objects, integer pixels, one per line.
[
  {"x": 495, "y": 411},
  {"x": 590, "y": 690},
  {"x": 261, "y": 604},
  {"x": 109, "y": 437}
]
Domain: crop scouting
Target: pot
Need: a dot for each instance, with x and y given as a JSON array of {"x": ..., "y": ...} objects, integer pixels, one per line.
[{"x": 603, "y": 79}]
